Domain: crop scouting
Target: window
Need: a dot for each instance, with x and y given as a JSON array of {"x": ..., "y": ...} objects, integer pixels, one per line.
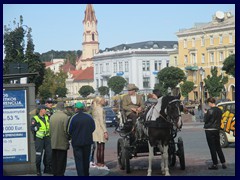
[
  {"x": 203, "y": 58},
  {"x": 175, "y": 60},
  {"x": 126, "y": 66},
  {"x": 185, "y": 43},
  {"x": 220, "y": 56},
  {"x": 157, "y": 65},
  {"x": 193, "y": 42},
  {"x": 202, "y": 41},
  {"x": 146, "y": 65},
  {"x": 211, "y": 57},
  {"x": 185, "y": 59},
  {"x": 115, "y": 67},
  {"x": 220, "y": 39},
  {"x": 93, "y": 38},
  {"x": 101, "y": 68},
  {"x": 193, "y": 58},
  {"x": 230, "y": 38},
  {"x": 107, "y": 67},
  {"x": 96, "y": 68},
  {"x": 167, "y": 65},
  {"x": 211, "y": 40},
  {"x": 101, "y": 82},
  {"x": 120, "y": 66},
  {"x": 146, "y": 82}
]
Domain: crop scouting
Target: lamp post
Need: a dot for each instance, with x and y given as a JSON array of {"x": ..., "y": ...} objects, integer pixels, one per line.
[{"x": 201, "y": 72}]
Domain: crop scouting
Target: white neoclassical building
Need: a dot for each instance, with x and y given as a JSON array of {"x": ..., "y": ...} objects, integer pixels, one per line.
[{"x": 138, "y": 63}]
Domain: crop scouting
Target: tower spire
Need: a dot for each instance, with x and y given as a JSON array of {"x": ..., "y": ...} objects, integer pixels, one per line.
[{"x": 89, "y": 14}]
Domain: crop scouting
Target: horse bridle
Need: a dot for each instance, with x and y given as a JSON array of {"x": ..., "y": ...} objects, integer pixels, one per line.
[{"x": 168, "y": 118}]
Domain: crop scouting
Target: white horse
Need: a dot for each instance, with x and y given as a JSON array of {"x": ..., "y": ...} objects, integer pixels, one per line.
[{"x": 160, "y": 119}]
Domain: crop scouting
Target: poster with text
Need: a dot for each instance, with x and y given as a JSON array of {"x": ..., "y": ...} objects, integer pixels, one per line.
[{"x": 15, "y": 137}]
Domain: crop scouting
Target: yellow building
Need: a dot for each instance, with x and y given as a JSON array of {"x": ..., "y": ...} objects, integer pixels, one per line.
[{"x": 204, "y": 46}]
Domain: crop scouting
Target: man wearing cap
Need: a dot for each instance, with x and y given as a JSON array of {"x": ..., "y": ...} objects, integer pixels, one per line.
[
  {"x": 59, "y": 140},
  {"x": 80, "y": 127},
  {"x": 49, "y": 113},
  {"x": 49, "y": 104},
  {"x": 132, "y": 103},
  {"x": 41, "y": 130}
]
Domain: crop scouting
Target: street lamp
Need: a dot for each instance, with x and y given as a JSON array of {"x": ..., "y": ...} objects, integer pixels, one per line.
[{"x": 201, "y": 72}]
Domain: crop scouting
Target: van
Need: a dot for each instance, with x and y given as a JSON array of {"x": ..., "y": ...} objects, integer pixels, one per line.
[{"x": 227, "y": 131}]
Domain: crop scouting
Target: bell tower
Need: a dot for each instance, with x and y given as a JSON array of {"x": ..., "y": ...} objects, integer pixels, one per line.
[{"x": 90, "y": 45}]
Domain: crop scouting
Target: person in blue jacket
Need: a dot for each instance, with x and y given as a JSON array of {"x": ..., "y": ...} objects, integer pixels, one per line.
[{"x": 80, "y": 127}]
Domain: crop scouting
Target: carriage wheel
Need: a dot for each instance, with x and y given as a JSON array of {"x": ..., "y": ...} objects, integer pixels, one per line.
[
  {"x": 121, "y": 154},
  {"x": 181, "y": 153},
  {"x": 127, "y": 155},
  {"x": 171, "y": 154}
]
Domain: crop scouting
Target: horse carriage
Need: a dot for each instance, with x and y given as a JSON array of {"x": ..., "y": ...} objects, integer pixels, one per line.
[{"x": 154, "y": 133}]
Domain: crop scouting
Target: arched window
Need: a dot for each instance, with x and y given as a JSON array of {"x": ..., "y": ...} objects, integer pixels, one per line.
[{"x": 93, "y": 37}]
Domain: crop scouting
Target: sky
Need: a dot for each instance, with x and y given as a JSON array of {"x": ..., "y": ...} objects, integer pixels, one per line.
[{"x": 59, "y": 26}]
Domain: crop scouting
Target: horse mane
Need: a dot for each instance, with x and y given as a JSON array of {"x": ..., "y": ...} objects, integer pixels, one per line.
[{"x": 165, "y": 101}]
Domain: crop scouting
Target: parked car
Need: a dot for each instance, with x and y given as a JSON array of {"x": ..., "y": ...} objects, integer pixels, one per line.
[
  {"x": 227, "y": 132},
  {"x": 111, "y": 117}
]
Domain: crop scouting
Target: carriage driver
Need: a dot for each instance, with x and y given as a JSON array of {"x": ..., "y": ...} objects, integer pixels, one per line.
[{"x": 132, "y": 103}]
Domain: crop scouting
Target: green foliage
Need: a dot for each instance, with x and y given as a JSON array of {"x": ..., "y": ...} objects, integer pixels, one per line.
[
  {"x": 61, "y": 92},
  {"x": 69, "y": 55},
  {"x": 86, "y": 90},
  {"x": 186, "y": 88},
  {"x": 53, "y": 84},
  {"x": 229, "y": 65},
  {"x": 215, "y": 84},
  {"x": 116, "y": 83},
  {"x": 103, "y": 90},
  {"x": 169, "y": 77},
  {"x": 14, "y": 46}
]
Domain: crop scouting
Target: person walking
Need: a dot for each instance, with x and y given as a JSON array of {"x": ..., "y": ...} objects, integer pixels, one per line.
[
  {"x": 80, "y": 127},
  {"x": 41, "y": 130},
  {"x": 212, "y": 125},
  {"x": 59, "y": 140},
  {"x": 100, "y": 135}
]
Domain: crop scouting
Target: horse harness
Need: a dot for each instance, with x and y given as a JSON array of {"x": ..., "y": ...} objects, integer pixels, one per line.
[{"x": 167, "y": 120}]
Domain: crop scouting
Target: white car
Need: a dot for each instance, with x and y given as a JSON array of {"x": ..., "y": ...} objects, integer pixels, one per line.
[{"x": 227, "y": 132}]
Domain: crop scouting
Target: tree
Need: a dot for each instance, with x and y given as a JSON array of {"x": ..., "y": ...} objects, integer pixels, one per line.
[
  {"x": 116, "y": 83},
  {"x": 48, "y": 88},
  {"x": 53, "y": 84},
  {"x": 215, "y": 84},
  {"x": 229, "y": 65},
  {"x": 169, "y": 77},
  {"x": 86, "y": 90},
  {"x": 34, "y": 63},
  {"x": 14, "y": 46},
  {"x": 186, "y": 88},
  {"x": 103, "y": 90},
  {"x": 61, "y": 92}
]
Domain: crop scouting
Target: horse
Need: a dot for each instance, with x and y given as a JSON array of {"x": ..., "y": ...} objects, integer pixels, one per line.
[{"x": 160, "y": 120}]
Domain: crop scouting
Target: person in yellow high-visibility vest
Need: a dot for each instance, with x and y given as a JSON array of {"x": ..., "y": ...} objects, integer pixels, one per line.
[{"x": 40, "y": 128}]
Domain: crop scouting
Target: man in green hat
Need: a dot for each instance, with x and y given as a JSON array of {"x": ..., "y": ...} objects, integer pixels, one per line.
[{"x": 80, "y": 127}]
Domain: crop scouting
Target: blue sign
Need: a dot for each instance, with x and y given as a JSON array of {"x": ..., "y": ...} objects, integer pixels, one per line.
[
  {"x": 120, "y": 73},
  {"x": 155, "y": 72},
  {"x": 15, "y": 137}
]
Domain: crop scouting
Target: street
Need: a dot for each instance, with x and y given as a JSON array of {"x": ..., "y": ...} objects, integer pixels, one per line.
[{"x": 197, "y": 157}]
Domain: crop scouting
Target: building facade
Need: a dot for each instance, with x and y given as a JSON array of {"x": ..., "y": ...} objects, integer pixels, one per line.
[
  {"x": 83, "y": 74},
  {"x": 204, "y": 46},
  {"x": 137, "y": 63}
]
